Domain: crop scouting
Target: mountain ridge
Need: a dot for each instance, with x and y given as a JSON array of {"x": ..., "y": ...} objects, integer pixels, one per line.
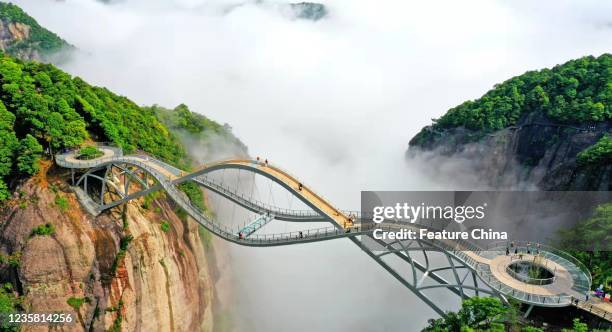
[
  {"x": 22, "y": 37},
  {"x": 550, "y": 128}
]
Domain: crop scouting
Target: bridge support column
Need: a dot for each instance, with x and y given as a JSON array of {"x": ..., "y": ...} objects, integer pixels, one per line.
[
  {"x": 126, "y": 182},
  {"x": 528, "y": 311},
  {"x": 397, "y": 276},
  {"x": 456, "y": 275},
  {"x": 106, "y": 172}
]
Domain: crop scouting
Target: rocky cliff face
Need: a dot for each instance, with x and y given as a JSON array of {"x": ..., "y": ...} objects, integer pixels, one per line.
[
  {"x": 22, "y": 37},
  {"x": 12, "y": 33},
  {"x": 534, "y": 152},
  {"x": 121, "y": 270}
]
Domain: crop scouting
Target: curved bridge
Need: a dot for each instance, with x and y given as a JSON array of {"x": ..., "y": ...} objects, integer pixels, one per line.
[{"x": 467, "y": 270}]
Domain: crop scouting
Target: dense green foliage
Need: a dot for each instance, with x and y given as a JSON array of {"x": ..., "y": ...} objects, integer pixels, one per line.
[
  {"x": 182, "y": 118},
  {"x": 595, "y": 232},
  {"x": 116, "y": 327},
  {"x": 89, "y": 152},
  {"x": 578, "y": 326},
  {"x": 13, "y": 260},
  {"x": 477, "y": 313},
  {"x": 599, "y": 153},
  {"x": 42, "y": 230},
  {"x": 577, "y": 91},
  {"x": 43, "y": 110},
  {"x": 123, "y": 246},
  {"x": 149, "y": 198},
  {"x": 77, "y": 302},
  {"x": 125, "y": 123},
  {"x": 165, "y": 226},
  {"x": 193, "y": 191},
  {"x": 196, "y": 129},
  {"x": 61, "y": 202},
  {"x": 9, "y": 303},
  {"x": 28, "y": 155},
  {"x": 41, "y": 107},
  {"x": 40, "y": 39},
  {"x": 487, "y": 314},
  {"x": 8, "y": 144}
]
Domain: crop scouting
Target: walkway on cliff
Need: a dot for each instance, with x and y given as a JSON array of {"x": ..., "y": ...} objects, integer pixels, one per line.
[{"x": 571, "y": 278}]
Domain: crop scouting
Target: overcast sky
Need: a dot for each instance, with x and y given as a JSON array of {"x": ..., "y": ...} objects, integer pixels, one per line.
[
  {"x": 334, "y": 101},
  {"x": 341, "y": 96}
]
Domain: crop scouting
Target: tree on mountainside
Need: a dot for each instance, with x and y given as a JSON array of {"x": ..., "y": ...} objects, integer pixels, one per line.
[
  {"x": 36, "y": 40},
  {"x": 29, "y": 153},
  {"x": 575, "y": 92},
  {"x": 595, "y": 233},
  {"x": 8, "y": 144},
  {"x": 599, "y": 153},
  {"x": 42, "y": 107},
  {"x": 476, "y": 314}
]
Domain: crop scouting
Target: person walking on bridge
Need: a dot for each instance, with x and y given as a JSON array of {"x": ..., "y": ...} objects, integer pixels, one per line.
[{"x": 529, "y": 247}]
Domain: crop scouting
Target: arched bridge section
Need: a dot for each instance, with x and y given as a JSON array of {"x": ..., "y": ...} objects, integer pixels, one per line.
[{"x": 467, "y": 270}]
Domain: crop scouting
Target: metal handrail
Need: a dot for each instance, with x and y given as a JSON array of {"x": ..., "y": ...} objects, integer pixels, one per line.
[
  {"x": 530, "y": 280},
  {"x": 458, "y": 248},
  {"x": 543, "y": 247}
]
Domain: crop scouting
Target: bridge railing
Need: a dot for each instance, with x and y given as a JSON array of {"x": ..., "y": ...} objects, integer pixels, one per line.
[
  {"x": 304, "y": 186},
  {"x": 203, "y": 217},
  {"x": 459, "y": 248},
  {"x": 557, "y": 255},
  {"x": 462, "y": 249},
  {"x": 85, "y": 163},
  {"x": 529, "y": 280},
  {"x": 232, "y": 234},
  {"x": 159, "y": 161},
  {"x": 61, "y": 158},
  {"x": 254, "y": 202},
  {"x": 546, "y": 300},
  {"x": 595, "y": 310}
]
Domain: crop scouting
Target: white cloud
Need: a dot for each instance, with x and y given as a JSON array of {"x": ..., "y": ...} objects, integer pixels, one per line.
[{"x": 334, "y": 101}]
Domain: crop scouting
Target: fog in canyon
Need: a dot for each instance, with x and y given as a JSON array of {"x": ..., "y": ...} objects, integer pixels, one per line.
[{"x": 334, "y": 101}]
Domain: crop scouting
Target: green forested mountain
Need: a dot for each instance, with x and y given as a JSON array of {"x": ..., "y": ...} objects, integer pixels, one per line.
[
  {"x": 598, "y": 153},
  {"x": 45, "y": 109},
  {"x": 577, "y": 91},
  {"x": 594, "y": 232},
  {"x": 21, "y": 36},
  {"x": 196, "y": 127},
  {"x": 576, "y": 94}
]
